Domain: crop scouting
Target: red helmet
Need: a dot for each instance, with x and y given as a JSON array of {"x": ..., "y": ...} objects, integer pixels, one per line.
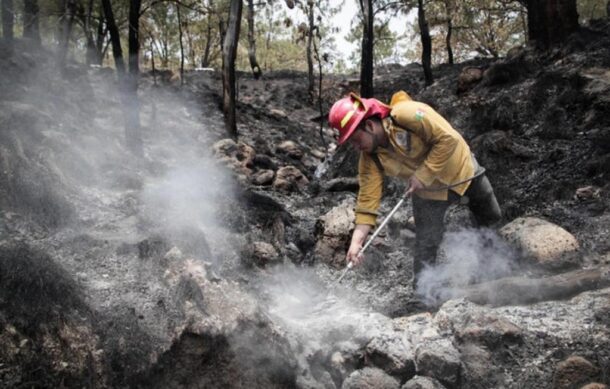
[{"x": 346, "y": 114}]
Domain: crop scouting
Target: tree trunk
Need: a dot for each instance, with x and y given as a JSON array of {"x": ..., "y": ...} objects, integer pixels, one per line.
[
  {"x": 101, "y": 37},
  {"x": 152, "y": 61},
  {"x": 550, "y": 21},
  {"x": 426, "y": 41},
  {"x": 189, "y": 39},
  {"x": 205, "y": 60},
  {"x": 115, "y": 39},
  {"x": 134, "y": 37},
  {"x": 448, "y": 42},
  {"x": 31, "y": 29},
  {"x": 66, "y": 31},
  {"x": 91, "y": 55},
  {"x": 132, "y": 127},
  {"x": 228, "y": 66},
  {"x": 8, "y": 20},
  {"x": 181, "y": 45},
  {"x": 256, "y": 70},
  {"x": 366, "y": 63},
  {"x": 310, "y": 77}
]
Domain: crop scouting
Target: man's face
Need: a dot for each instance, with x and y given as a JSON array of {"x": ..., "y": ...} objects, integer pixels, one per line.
[{"x": 362, "y": 139}]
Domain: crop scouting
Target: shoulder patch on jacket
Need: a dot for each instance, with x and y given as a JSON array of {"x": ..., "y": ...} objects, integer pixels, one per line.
[{"x": 419, "y": 115}]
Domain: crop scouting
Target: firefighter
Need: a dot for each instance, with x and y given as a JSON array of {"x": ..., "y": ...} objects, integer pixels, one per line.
[{"x": 410, "y": 140}]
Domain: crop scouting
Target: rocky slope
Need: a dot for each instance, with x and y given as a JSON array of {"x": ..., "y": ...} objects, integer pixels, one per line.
[{"x": 212, "y": 262}]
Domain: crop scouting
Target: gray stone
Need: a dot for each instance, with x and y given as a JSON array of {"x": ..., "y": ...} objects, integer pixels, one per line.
[
  {"x": 334, "y": 230},
  {"x": 264, "y": 253},
  {"x": 393, "y": 353},
  {"x": 370, "y": 378},
  {"x": 421, "y": 382},
  {"x": 439, "y": 359}
]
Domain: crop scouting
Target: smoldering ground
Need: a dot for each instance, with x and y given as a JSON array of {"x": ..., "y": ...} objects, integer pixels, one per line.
[{"x": 468, "y": 256}]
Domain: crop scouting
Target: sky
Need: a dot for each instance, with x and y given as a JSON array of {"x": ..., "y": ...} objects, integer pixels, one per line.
[{"x": 344, "y": 17}]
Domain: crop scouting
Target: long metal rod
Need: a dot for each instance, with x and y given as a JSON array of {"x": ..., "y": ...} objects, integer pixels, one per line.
[
  {"x": 393, "y": 211},
  {"x": 372, "y": 237}
]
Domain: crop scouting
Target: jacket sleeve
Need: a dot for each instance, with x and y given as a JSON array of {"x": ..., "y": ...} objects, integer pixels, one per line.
[
  {"x": 370, "y": 179},
  {"x": 434, "y": 131}
]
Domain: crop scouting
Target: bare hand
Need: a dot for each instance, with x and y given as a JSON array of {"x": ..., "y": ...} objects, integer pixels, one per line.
[
  {"x": 353, "y": 254},
  {"x": 414, "y": 185}
]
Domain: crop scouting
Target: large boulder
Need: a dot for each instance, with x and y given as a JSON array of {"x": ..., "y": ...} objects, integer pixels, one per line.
[
  {"x": 333, "y": 233},
  {"x": 370, "y": 378},
  {"x": 542, "y": 242}
]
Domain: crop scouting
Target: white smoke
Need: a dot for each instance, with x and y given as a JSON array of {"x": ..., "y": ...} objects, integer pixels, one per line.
[{"x": 471, "y": 256}]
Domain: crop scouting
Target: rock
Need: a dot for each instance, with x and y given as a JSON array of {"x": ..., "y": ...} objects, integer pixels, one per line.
[
  {"x": 237, "y": 156},
  {"x": 421, "y": 382},
  {"x": 264, "y": 162},
  {"x": 392, "y": 353},
  {"x": 290, "y": 148},
  {"x": 488, "y": 330},
  {"x": 595, "y": 385},
  {"x": 289, "y": 178},
  {"x": 587, "y": 193},
  {"x": 278, "y": 112},
  {"x": 573, "y": 371},
  {"x": 543, "y": 242},
  {"x": 154, "y": 247},
  {"x": 333, "y": 232},
  {"x": 478, "y": 369},
  {"x": 439, "y": 359},
  {"x": 264, "y": 253},
  {"x": 468, "y": 78},
  {"x": 263, "y": 177},
  {"x": 370, "y": 378}
]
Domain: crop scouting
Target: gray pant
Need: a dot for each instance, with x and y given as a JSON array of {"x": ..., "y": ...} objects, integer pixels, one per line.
[{"x": 430, "y": 214}]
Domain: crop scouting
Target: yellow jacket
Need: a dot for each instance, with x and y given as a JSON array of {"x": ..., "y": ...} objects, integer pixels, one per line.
[{"x": 422, "y": 143}]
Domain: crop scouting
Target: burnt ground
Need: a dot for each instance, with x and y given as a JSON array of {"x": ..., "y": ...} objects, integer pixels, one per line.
[{"x": 115, "y": 272}]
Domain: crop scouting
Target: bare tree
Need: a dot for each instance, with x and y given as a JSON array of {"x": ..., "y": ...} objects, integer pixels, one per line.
[
  {"x": 115, "y": 39},
  {"x": 366, "y": 64},
  {"x": 31, "y": 27},
  {"x": 229, "y": 51},
  {"x": 133, "y": 130},
  {"x": 8, "y": 20},
  {"x": 426, "y": 42},
  {"x": 310, "y": 41},
  {"x": 181, "y": 44},
  {"x": 256, "y": 70},
  {"x": 550, "y": 21},
  {"x": 66, "y": 30}
]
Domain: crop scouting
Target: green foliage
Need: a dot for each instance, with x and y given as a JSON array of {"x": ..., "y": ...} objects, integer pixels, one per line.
[
  {"x": 591, "y": 9},
  {"x": 487, "y": 28}
]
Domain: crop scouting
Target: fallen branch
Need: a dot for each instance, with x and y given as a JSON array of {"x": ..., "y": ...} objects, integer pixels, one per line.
[{"x": 520, "y": 290}]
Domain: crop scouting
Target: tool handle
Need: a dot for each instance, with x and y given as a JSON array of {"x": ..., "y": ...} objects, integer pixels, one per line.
[{"x": 382, "y": 225}]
